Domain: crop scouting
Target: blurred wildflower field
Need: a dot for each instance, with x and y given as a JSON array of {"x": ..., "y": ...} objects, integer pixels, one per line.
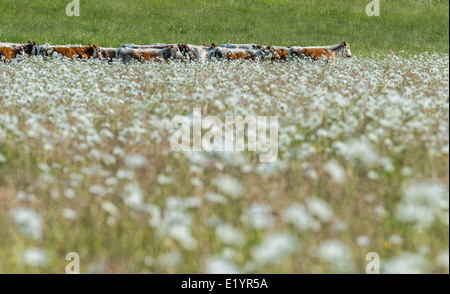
[{"x": 363, "y": 166}]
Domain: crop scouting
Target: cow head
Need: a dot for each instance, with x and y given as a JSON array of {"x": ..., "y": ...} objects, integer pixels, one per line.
[
  {"x": 174, "y": 52},
  {"x": 346, "y": 50},
  {"x": 185, "y": 50},
  {"x": 19, "y": 49},
  {"x": 97, "y": 51},
  {"x": 46, "y": 50},
  {"x": 29, "y": 48},
  {"x": 272, "y": 51},
  {"x": 36, "y": 49},
  {"x": 267, "y": 52},
  {"x": 92, "y": 50}
]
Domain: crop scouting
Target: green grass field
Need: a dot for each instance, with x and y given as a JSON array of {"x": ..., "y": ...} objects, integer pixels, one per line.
[{"x": 402, "y": 25}]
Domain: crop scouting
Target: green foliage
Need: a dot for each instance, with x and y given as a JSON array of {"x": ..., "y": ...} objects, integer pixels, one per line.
[{"x": 402, "y": 25}]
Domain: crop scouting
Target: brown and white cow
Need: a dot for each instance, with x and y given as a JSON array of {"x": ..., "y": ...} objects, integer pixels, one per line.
[
  {"x": 126, "y": 54},
  {"x": 278, "y": 53},
  {"x": 182, "y": 47},
  {"x": 70, "y": 51},
  {"x": 9, "y": 51},
  {"x": 220, "y": 53},
  {"x": 12, "y": 50},
  {"x": 316, "y": 53},
  {"x": 105, "y": 53}
]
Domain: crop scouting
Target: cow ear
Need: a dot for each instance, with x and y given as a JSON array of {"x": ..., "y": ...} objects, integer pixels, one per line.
[
  {"x": 344, "y": 43},
  {"x": 213, "y": 45}
]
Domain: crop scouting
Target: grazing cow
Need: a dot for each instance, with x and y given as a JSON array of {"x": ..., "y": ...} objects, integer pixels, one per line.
[
  {"x": 105, "y": 53},
  {"x": 184, "y": 49},
  {"x": 241, "y": 46},
  {"x": 30, "y": 48},
  {"x": 126, "y": 54},
  {"x": 198, "y": 53},
  {"x": 234, "y": 54},
  {"x": 156, "y": 46},
  {"x": 278, "y": 53},
  {"x": 316, "y": 53},
  {"x": 12, "y": 50},
  {"x": 9, "y": 51},
  {"x": 209, "y": 49},
  {"x": 70, "y": 50}
]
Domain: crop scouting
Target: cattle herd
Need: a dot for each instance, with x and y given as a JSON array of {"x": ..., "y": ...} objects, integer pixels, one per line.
[{"x": 165, "y": 52}]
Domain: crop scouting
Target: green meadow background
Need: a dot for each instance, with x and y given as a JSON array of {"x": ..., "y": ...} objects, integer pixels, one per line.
[{"x": 410, "y": 25}]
